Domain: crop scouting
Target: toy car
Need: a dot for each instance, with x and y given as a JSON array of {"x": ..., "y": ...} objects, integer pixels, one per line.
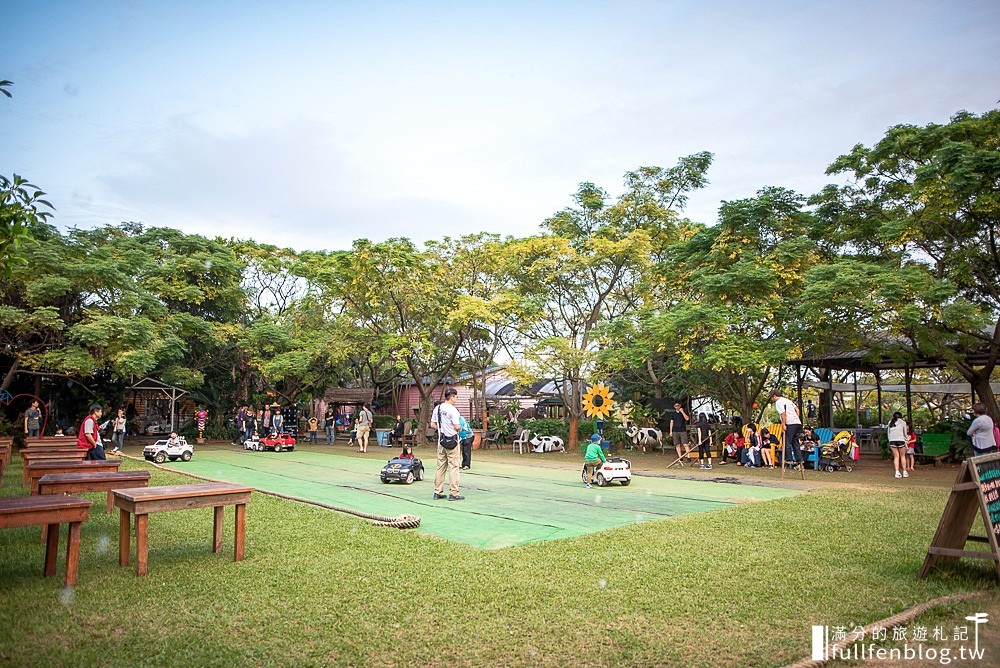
[
  {"x": 270, "y": 442},
  {"x": 615, "y": 468},
  {"x": 402, "y": 469},
  {"x": 163, "y": 450}
]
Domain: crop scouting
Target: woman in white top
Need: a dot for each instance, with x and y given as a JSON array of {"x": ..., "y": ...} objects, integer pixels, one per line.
[
  {"x": 898, "y": 435},
  {"x": 981, "y": 431}
]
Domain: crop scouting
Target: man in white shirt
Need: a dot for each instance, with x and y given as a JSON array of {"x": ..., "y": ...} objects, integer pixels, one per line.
[
  {"x": 446, "y": 419},
  {"x": 791, "y": 425}
]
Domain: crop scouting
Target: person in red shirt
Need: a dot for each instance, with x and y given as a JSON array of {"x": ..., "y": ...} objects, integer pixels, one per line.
[{"x": 89, "y": 435}]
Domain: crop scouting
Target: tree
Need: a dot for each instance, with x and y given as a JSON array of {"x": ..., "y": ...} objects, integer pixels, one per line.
[
  {"x": 577, "y": 277},
  {"x": 403, "y": 297},
  {"x": 21, "y": 212},
  {"x": 488, "y": 308},
  {"x": 733, "y": 288},
  {"x": 925, "y": 204}
]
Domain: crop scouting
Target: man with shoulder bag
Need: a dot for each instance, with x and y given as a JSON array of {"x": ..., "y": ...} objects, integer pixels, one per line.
[{"x": 446, "y": 419}]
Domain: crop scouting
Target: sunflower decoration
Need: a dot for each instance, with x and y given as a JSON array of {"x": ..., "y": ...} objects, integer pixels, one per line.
[{"x": 598, "y": 401}]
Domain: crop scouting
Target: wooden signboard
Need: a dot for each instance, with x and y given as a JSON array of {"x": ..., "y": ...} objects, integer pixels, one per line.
[{"x": 977, "y": 488}]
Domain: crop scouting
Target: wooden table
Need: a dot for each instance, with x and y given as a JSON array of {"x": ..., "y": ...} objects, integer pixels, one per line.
[
  {"x": 50, "y": 512},
  {"x": 30, "y": 456},
  {"x": 141, "y": 502},
  {"x": 37, "y": 470}
]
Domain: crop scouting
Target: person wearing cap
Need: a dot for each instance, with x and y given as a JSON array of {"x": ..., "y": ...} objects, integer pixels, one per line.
[
  {"x": 592, "y": 459},
  {"x": 791, "y": 424},
  {"x": 89, "y": 435}
]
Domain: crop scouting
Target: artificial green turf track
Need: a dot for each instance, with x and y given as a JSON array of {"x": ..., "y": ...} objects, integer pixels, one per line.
[{"x": 505, "y": 504}]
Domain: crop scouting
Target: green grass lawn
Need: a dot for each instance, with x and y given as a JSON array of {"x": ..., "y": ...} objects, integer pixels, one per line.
[{"x": 739, "y": 586}]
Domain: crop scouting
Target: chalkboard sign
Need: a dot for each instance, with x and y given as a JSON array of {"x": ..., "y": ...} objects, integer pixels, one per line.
[
  {"x": 976, "y": 489},
  {"x": 988, "y": 471}
]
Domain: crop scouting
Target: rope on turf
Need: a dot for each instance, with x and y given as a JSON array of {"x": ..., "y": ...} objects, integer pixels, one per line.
[
  {"x": 896, "y": 620},
  {"x": 404, "y": 521}
]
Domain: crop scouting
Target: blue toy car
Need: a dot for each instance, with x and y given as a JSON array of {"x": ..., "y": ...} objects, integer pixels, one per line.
[{"x": 402, "y": 469}]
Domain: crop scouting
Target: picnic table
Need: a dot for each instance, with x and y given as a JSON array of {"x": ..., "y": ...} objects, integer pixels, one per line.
[
  {"x": 141, "y": 502},
  {"x": 50, "y": 512}
]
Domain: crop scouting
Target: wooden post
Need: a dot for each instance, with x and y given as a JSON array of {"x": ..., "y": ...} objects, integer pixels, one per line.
[{"x": 217, "y": 527}]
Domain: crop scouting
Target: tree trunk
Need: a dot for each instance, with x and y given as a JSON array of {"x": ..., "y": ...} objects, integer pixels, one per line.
[
  {"x": 9, "y": 377},
  {"x": 574, "y": 428},
  {"x": 980, "y": 382}
]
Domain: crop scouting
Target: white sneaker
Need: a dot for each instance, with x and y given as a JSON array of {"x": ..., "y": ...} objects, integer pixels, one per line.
[
  {"x": 898, "y": 474},
  {"x": 906, "y": 474}
]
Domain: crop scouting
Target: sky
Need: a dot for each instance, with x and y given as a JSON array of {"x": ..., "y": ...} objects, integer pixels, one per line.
[{"x": 312, "y": 124}]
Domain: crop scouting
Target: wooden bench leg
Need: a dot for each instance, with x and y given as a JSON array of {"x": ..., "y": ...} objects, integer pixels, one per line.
[
  {"x": 111, "y": 501},
  {"x": 51, "y": 548},
  {"x": 217, "y": 529},
  {"x": 124, "y": 538},
  {"x": 141, "y": 544},
  {"x": 73, "y": 554},
  {"x": 241, "y": 528}
]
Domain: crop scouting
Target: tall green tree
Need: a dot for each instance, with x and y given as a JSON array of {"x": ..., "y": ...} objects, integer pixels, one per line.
[
  {"x": 734, "y": 289},
  {"x": 403, "y": 296},
  {"x": 925, "y": 205}
]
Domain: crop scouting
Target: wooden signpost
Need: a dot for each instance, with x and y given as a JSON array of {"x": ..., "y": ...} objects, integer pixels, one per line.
[{"x": 977, "y": 488}]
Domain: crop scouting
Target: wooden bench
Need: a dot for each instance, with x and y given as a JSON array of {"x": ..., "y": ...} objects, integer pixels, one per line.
[
  {"x": 50, "y": 443},
  {"x": 39, "y": 469},
  {"x": 92, "y": 481},
  {"x": 4, "y": 451},
  {"x": 50, "y": 512},
  {"x": 6, "y": 448},
  {"x": 141, "y": 502},
  {"x": 69, "y": 454}
]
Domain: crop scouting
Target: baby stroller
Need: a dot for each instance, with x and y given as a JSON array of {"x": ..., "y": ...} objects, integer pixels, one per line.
[{"x": 837, "y": 454}]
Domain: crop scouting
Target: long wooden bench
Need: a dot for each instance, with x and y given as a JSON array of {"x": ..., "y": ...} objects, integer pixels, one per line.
[
  {"x": 141, "y": 502},
  {"x": 4, "y": 451},
  {"x": 92, "y": 481},
  {"x": 69, "y": 454},
  {"x": 39, "y": 469},
  {"x": 42, "y": 441},
  {"x": 50, "y": 512}
]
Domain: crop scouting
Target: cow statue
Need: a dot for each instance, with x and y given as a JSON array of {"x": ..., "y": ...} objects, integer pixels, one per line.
[
  {"x": 547, "y": 444},
  {"x": 643, "y": 436}
]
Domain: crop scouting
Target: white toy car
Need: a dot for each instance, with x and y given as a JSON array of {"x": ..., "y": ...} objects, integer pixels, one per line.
[
  {"x": 614, "y": 469},
  {"x": 163, "y": 450}
]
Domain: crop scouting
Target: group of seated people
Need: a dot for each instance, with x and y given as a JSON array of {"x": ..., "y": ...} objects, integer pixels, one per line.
[{"x": 752, "y": 448}]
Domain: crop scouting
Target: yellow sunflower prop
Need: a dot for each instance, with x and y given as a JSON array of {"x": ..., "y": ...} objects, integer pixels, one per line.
[{"x": 597, "y": 401}]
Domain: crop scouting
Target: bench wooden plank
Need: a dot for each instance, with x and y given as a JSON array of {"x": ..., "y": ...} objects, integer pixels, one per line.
[
  {"x": 142, "y": 501},
  {"x": 50, "y": 512}
]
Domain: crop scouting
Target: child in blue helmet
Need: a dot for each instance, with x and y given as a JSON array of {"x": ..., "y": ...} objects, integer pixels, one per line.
[{"x": 592, "y": 459}]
